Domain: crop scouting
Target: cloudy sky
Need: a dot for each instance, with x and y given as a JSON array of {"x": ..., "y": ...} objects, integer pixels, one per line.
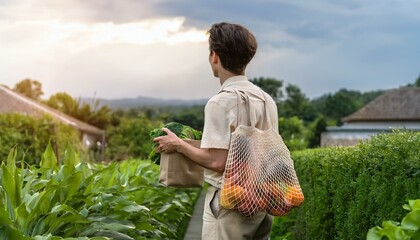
[{"x": 158, "y": 48}]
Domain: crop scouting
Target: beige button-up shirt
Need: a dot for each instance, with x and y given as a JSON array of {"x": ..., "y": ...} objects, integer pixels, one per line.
[{"x": 221, "y": 116}]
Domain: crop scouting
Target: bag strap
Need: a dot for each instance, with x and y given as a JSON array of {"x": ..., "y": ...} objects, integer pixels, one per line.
[
  {"x": 267, "y": 117},
  {"x": 250, "y": 110}
]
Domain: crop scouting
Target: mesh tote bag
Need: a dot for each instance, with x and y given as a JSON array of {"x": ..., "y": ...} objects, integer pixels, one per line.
[{"x": 259, "y": 173}]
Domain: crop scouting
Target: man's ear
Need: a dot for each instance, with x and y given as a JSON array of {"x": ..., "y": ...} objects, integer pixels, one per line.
[{"x": 214, "y": 58}]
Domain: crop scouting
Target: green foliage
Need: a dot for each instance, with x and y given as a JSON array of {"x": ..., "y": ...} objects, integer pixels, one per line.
[
  {"x": 81, "y": 200},
  {"x": 271, "y": 86},
  {"x": 89, "y": 113},
  {"x": 31, "y": 135},
  {"x": 180, "y": 130},
  {"x": 296, "y": 104},
  {"x": 409, "y": 228},
  {"x": 293, "y": 132},
  {"x": 192, "y": 116},
  {"x": 30, "y": 88},
  {"x": 342, "y": 103},
  {"x": 317, "y": 127},
  {"x": 130, "y": 138},
  {"x": 350, "y": 190},
  {"x": 415, "y": 84}
]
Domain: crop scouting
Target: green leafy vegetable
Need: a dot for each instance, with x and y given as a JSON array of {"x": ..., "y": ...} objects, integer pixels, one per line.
[{"x": 182, "y": 131}]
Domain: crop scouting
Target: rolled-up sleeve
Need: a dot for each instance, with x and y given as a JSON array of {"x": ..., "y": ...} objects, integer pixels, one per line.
[{"x": 216, "y": 132}]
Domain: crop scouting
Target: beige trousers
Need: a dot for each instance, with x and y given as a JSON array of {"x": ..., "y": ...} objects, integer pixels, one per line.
[{"x": 224, "y": 224}]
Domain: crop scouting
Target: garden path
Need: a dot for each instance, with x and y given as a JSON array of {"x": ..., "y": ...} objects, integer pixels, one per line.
[{"x": 196, "y": 222}]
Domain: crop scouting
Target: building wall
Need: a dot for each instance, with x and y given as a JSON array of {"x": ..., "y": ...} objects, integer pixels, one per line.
[
  {"x": 383, "y": 125},
  {"x": 90, "y": 140},
  {"x": 350, "y": 134},
  {"x": 344, "y": 138}
]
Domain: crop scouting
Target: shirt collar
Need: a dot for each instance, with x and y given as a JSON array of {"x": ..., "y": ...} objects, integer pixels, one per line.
[{"x": 233, "y": 81}]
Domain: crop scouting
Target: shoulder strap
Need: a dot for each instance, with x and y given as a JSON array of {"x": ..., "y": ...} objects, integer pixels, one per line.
[
  {"x": 250, "y": 110},
  {"x": 267, "y": 117}
]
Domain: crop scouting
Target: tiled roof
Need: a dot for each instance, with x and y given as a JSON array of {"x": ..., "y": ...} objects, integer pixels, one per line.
[
  {"x": 11, "y": 101},
  {"x": 395, "y": 105}
]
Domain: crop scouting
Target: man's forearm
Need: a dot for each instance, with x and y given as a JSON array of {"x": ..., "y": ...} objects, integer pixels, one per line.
[{"x": 210, "y": 158}]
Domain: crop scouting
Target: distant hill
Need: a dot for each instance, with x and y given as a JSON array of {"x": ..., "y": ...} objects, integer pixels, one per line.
[{"x": 127, "y": 103}]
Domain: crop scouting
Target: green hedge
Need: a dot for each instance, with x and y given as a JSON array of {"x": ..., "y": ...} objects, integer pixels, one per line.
[
  {"x": 31, "y": 135},
  {"x": 350, "y": 190}
]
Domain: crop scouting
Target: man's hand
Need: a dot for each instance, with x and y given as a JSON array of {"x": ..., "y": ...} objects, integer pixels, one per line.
[{"x": 168, "y": 143}]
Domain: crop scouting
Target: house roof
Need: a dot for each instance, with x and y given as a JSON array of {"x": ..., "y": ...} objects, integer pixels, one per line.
[
  {"x": 10, "y": 101},
  {"x": 401, "y": 104}
]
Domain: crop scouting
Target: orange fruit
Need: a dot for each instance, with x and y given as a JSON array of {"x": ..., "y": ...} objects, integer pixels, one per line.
[
  {"x": 294, "y": 195},
  {"x": 272, "y": 191},
  {"x": 248, "y": 208},
  {"x": 231, "y": 195},
  {"x": 226, "y": 203},
  {"x": 262, "y": 203},
  {"x": 279, "y": 210}
]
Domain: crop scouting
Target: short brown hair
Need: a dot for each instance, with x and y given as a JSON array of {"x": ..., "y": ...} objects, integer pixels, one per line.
[{"x": 234, "y": 44}]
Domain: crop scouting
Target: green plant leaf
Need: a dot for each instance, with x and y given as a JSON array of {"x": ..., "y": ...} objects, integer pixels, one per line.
[
  {"x": 113, "y": 235},
  {"x": 11, "y": 160},
  {"x": 8, "y": 182},
  {"x": 48, "y": 159},
  {"x": 135, "y": 208},
  {"x": 21, "y": 215},
  {"x": 416, "y": 235},
  {"x": 4, "y": 217},
  {"x": 414, "y": 204},
  {"x": 9, "y": 232},
  {"x": 39, "y": 227},
  {"x": 117, "y": 226},
  {"x": 108, "y": 175},
  {"x": 72, "y": 185},
  {"x": 71, "y": 158},
  {"x": 393, "y": 230},
  {"x": 411, "y": 221}
]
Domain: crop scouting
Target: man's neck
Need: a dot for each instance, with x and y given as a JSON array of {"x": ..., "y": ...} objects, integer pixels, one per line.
[{"x": 224, "y": 75}]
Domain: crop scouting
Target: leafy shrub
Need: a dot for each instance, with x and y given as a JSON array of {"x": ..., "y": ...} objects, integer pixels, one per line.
[
  {"x": 350, "y": 190},
  {"x": 294, "y": 133},
  {"x": 409, "y": 228},
  {"x": 31, "y": 135},
  {"x": 121, "y": 200},
  {"x": 130, "y": 139}
]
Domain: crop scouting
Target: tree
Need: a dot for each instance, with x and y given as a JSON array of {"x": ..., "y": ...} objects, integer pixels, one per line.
[
  {"x": 417, "y": 83},
  {"x": 94, "y": 115},
  {"x": 317, "y": 127},
  {"x": 297, "y": 104},
  {"x": 131, "y": 138},
  {"x": 192, "y": 116},
  {"x": 30, "y": 88},
  {"x": 340, "y": 105},
  {"x": 271, "y": 86},
  {"x": 293, "y": 132},
  {"x": 64, "y": 103}
]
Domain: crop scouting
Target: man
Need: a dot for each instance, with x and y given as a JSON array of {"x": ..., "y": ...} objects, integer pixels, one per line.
[{"x": 231, "y": 49}]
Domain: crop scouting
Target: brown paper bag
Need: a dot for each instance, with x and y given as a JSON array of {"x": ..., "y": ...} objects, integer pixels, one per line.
[{"x": 176, "y": 170}]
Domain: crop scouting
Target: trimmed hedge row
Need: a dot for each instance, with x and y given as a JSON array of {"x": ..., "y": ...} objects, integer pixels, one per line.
[
  {"x": 31, "y": 135},
  {"x": 350, "y": 190}
]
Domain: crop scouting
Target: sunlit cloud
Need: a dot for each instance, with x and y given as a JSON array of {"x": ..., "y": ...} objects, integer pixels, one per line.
[
  {"x": 141, "y": 47},
  {"x": 80, "y": 36},
  {"x": 104, "y": 56}
]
